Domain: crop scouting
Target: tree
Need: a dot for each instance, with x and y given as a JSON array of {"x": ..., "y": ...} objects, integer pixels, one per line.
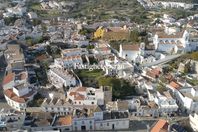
[
  {"x": 49, "y": 50},
  {"x": 10, "y": 20},
  {"x": 29, "y": 41},
  {"x": 90, "y": 46},
  {"x": 194, "y": 56},
  {"x": 36, "y": 22},
  {"x": 160, "y": 88},
  {"x": 120, "y": 87},
  {"x": 134, "y": 36},
  {"x": 187, "y": 68}
]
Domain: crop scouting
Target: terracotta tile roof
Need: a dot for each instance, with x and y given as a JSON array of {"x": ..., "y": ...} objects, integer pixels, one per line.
[
  {"x": 104, "y": 49},
  {"x": 72, "y": 93},
  {"x": 18, "y": 99},
  {"x": 133, "y": 47},
  {"x": 71, "y": 50},
  {"x": 10, "y": 94},
  {"x": 8, "y": 78},
  {"x": 169, "y": 77},
  {"x": 72, "y": 57},
  {"x": 160, "y": 126},
  {"x": 175, "y": 85},
  {"x": 176, "y": 35},
  {"x": 81, "y": 89},
  {"x": 41, "y": 57},
  {"x": 157, "y": 71},
  {"x": 154, "y": 73},
  {"x": 79, "y": 97},
  {"x": 152, "y": 105},
  {"x": 65, "y": 121}
]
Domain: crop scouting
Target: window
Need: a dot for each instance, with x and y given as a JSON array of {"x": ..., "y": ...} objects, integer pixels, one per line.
[
  {"x": 107, "y": 124},
  {"x": 75, "y": 123},
  {"x": 90, "y": 122},
  {"x": 91, "y": 127},
  {"x": 100, "y": 124},
  {"x": 83, "y": 122},
  {"x": 67, "y": 129}
]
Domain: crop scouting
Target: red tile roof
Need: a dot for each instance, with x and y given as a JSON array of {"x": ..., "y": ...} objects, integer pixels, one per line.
[
  {"x": 81, "y": 89},
  {"x": 176, "y": 35},
  {"x": 72, "y": 93},
  {"x": 133, "y": 47},
  {"x": 8, "y": 78},
  {"x": 156, "y": 71},
  {"x": 10, "y": 94},
  {"x": 175, "y": 85},
  {"x": 79, "y": 97},
  {"x": 161, "y": 125},
  {"x": 18, "y": 99},
  {"x": 65, "y": 121},
  {"x": 41, "y": 57},
  {"x": 104, "y": 49}
]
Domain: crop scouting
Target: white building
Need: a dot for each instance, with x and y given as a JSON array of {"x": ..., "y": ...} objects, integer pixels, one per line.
[
  {"x": 12, "y": 79},
  {"x": 68, "y": 62},
  {"x": 61, "y": 78},
  {"x": 17, "y": 10},
  {"x": 102, "y": 50},
  {"x": 113, "y": 65},
  {"x": 57, "y": 105},
  {"x": 172, "y": 43},
  {"x": 194, "y": 121},
  {"x": 73, "y": 52},
  {"x": 14, "y": 57},
  {"x": 102, "y": 121},
  {"x": 165, "y": 102},
  {"x": 18, "y": 96},
  {"x": 83, "y": 124},
  {"x": 193, "y": 40},
  {"x": 86, "y": 96},
  {"x": 187, "y": 98},
  {"x": 129, "y": 52},
  {"x": 168, "y": 4}
]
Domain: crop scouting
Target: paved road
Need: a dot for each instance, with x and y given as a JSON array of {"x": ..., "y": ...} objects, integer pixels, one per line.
[{"x": 162, "y": 61}]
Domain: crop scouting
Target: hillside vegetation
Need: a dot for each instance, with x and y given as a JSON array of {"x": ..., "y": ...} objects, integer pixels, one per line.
[
  {"x": 185, "y": 1},
  {"x": 96, "y": 10}
]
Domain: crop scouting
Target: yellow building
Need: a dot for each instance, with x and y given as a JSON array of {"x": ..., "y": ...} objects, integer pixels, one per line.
[{"x": 99, "y": 32}]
